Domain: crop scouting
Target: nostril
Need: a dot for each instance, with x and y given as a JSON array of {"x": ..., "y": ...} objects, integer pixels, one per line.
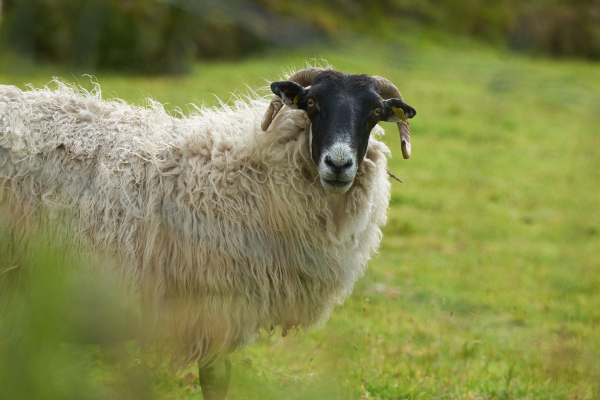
[
  {"x": 338, "y": 165},
  {"x": 329, "y": 162}
]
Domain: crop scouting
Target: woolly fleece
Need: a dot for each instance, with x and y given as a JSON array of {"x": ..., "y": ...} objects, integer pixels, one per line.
[{"x": 223, "y": 228}]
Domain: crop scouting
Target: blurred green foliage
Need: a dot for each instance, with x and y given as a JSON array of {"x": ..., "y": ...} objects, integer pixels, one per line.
[
  {"x": 555, "y": 27},
  {"x": 132, "y": 35},
  {"x": 53, "y": 315},
  {"x": 164, "y": 36}
]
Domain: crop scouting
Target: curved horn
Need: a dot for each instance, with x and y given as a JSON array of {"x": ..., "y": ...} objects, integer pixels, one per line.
[
  {"x": 304, "y": 77},
  {"x": 387, "y": 90},
  {"x": 272, "y": 111}
]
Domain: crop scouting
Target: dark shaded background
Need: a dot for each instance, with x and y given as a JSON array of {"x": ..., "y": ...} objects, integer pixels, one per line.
[{"x": 164, "y": 36}]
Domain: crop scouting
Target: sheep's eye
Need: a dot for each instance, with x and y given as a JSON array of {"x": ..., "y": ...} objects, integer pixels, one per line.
[
  {"x": 377, "y": 111},
  {"x": 310, "y": 103}
]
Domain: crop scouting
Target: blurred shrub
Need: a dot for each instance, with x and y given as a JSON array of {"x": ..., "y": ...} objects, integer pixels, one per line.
[
  {"x": 163, "y": 36},
  {"x": 49, "y": 307},
  {"x": 127, "y": 35},
  {"x": 556, "y": 27}
]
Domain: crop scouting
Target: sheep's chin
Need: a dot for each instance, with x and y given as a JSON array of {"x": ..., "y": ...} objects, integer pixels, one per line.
[{"x": 336, "y": 187}]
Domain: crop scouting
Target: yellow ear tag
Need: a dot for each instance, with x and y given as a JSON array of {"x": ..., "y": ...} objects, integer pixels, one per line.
[
  {"x": 400, "y": 114},
  {"x": 296, "y": 100}
]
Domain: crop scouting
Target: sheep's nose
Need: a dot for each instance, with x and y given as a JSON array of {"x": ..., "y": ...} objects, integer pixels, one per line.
[{"x": 339, "y": 164}]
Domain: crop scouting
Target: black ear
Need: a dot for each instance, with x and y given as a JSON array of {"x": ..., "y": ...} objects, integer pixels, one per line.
[
  {"x": 395, "y": 110},
  {"x": 290, "y": 92}
]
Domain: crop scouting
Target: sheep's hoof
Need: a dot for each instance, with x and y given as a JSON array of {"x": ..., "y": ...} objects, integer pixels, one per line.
[{"x": 214, "y": 379}]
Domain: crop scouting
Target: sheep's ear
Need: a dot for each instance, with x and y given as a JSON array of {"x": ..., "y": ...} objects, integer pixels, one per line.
[
  {"x": 290, "y": 92},
  {"x": 395, "y": 110}
]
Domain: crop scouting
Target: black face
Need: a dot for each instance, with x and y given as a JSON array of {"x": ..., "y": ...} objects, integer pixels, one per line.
[{"x": 343, "y": 109}]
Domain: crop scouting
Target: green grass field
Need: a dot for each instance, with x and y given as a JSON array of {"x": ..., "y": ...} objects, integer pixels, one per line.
[{"x": 487, "y": 284}]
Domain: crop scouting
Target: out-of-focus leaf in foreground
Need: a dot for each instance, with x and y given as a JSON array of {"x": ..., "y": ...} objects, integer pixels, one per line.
[{"x": 56, "y": 309}]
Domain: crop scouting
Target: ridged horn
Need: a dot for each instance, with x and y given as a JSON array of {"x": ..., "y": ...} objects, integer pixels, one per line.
[
  {"x": 387, "y": 90},
  {"x": 304, "y": 77}
]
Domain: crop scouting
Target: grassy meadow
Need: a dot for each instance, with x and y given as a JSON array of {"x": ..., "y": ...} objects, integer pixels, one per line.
[{"x": 487, "y": 284}]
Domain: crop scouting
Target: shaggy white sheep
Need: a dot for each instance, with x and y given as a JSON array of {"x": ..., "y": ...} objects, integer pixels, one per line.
[{"x": 222, "y": 227}]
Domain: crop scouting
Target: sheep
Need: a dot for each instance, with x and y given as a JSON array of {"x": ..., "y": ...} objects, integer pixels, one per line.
[{"x": 220, "y": 226}]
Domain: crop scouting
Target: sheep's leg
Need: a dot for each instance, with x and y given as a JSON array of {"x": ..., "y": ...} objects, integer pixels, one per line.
[{"x": 214, "y": 379}]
